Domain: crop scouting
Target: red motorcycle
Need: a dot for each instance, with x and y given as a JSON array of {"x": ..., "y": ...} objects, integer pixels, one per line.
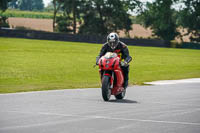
[{"x": 112, "y": 77}]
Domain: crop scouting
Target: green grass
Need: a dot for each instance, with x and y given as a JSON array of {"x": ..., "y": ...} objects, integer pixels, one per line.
[
  {"x": 30, "y": 65},
  {"x": 28, "y": 14}
]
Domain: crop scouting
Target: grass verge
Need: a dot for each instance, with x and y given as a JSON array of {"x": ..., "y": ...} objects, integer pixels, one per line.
[{"x": 32, "y": 65}]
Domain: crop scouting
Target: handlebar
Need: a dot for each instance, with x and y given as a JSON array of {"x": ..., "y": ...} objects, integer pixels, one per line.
[{"x": 123, "y": 63}]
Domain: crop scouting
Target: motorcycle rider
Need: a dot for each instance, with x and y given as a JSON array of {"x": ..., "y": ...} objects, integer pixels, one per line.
[{"x": 113, "y": 44}]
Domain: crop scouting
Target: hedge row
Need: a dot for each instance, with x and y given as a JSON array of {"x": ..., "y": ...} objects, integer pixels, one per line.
[
  {"x": 27, "y": 14},
  {"x": 189, "y": 45}
]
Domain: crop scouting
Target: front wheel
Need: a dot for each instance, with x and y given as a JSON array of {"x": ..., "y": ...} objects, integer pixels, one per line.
[
  {"x": 106, "y": 91},
  {"x": 121, "y": 95}
]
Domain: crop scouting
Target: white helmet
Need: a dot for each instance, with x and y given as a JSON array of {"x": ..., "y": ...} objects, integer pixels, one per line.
[{"x": 113, "y": 40}]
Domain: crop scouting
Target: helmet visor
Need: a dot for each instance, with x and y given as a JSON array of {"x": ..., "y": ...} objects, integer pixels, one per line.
[{"x": 113, "y": 44}]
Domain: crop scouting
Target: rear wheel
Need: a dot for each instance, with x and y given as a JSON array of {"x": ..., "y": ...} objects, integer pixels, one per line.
[
  {"x": 106, "y": 91},
  {"x": 121, "y": 95}
]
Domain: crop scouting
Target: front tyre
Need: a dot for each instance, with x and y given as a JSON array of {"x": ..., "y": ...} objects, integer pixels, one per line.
[
  {"x": 106, "y": 91},
  {"x": 121, "y": 95}
]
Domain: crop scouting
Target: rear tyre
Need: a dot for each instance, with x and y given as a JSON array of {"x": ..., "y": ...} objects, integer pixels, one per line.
[
  {"x": 106, "y": 91},
  {"x": 121, "y": 95}
]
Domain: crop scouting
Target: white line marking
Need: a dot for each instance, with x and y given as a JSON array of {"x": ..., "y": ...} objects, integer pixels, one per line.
[
  {"x": 168, "y": 82},
  {"x": 152, "y": 121},
  {"x": 141, "y": 112},
  {"x": 44, "y": 124},
  {"x": 109, "y": 118},
  {"x": 41, "y": 113}
]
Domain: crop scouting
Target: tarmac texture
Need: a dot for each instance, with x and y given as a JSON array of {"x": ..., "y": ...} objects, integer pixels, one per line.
[{"x": 159, "y": 108}]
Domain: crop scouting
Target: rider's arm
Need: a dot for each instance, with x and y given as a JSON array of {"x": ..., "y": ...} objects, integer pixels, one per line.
[
  {"x": 102, "y": 52},
  {"x": 126, "y": 55}
]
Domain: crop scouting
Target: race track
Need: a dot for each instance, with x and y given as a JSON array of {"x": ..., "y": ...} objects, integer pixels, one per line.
[{"x": 159, "y": 108}]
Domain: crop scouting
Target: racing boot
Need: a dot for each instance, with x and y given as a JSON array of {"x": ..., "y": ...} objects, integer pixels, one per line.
[
  {"x": 126, "y": 71},
  {"x": 125, "y": 85}
]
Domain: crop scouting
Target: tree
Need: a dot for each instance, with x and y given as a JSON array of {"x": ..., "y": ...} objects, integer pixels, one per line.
[
  {"x": 26, "y": 5},
  {"x": 13, "y": 4},
  {"x": 159, "y": 16},
  {"x": 49, "y": 7},
  {"x": 31, "y": 5},
  {"x": 4, "y": 5},
  {"x": 103, "y": 16},
  {"x": 189, "y": 17},
  {"x": 72, "y": 10},
  {"x": 98, "y": 16},
  {"x": 56, "y": 7},
  {"x": 38, "y": 5},
  {"x": 64, "y": 24}
]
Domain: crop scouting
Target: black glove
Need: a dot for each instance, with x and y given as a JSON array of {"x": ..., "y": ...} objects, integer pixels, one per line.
[{"x": 124, "y": 63}]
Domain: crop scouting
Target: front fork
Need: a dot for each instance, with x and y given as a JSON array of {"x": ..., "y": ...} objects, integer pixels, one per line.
[{"x": 109, "y": 74}]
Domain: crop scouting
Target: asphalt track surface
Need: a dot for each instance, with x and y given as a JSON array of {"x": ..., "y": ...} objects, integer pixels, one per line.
[{"x": 160, "y": 108}]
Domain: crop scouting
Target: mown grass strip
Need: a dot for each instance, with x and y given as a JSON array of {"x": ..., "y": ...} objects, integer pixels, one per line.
[
  {"x": 28, "y": 14},
  {"x": 30, "y": 65}
]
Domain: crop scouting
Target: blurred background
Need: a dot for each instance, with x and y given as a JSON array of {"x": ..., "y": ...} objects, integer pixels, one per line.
[{"x": 176, "y": 20}]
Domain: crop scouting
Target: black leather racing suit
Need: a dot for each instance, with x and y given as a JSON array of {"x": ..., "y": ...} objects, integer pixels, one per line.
[{"x": 121, "y": 50}]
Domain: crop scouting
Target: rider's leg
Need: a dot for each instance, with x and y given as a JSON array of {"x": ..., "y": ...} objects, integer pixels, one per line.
[{"x": 126, "y": 71}]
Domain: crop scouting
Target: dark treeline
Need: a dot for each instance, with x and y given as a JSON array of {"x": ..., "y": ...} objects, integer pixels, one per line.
[
  {"x": 30, "y": 5},
  {"x": 165, "y": 16},
  {"x": 99, "y": 17}
]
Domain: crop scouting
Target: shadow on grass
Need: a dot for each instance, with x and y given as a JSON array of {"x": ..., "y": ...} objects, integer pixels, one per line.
[{"x": 122, "y": 101}]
